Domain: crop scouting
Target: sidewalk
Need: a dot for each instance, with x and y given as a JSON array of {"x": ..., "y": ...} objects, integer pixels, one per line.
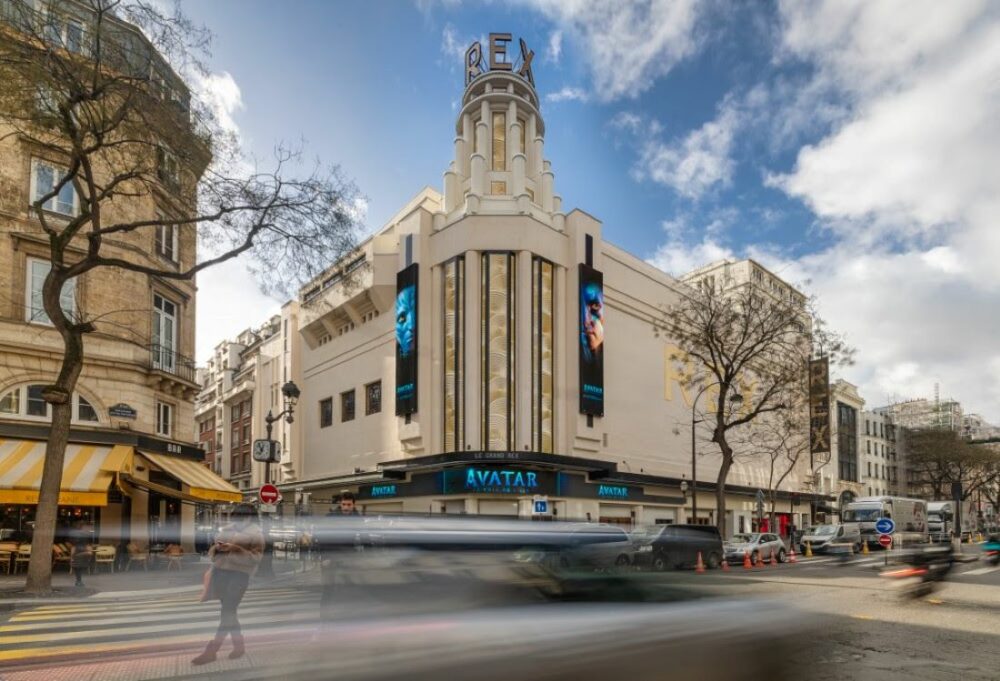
[{"x": 134, "y": 583}]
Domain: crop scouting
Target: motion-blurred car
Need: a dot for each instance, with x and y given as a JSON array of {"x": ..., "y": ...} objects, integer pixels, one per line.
[
  {"x": 757, "y": 544},
  {"x": 662, "y": 547},
  {"x": 823, "y": 537},
  {"x": 588, "y": 546}
]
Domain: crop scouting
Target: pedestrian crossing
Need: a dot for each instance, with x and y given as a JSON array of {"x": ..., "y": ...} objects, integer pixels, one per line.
[{"x": 92, "y": 628}]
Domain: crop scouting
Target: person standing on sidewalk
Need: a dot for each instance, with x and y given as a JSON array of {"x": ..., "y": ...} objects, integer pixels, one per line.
[
  {"x": 79, "y": 552},
  {"x": 235, "y": 555},
  {"x": 334, "y": 550}
]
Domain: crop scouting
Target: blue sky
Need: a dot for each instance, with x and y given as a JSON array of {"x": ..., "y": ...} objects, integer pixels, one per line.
[{"x": 848, "y": 145}]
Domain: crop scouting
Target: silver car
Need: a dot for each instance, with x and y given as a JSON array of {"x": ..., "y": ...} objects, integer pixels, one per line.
[{"x": 756, "y": 544}]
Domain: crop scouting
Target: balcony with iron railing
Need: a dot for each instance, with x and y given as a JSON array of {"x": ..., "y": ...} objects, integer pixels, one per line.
[{"x": 166, "y": 360}]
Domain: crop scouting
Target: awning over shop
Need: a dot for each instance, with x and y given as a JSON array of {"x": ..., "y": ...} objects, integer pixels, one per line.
[
  {"x": 87, "y": 472},
  {"x": 201, "y": 481},
  {"x": 127, "y": 484}
]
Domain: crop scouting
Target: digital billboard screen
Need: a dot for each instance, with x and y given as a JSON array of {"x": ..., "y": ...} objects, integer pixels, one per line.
[
  {"x": 406, "y": 340},
  {"x": 591, "y": 341}
]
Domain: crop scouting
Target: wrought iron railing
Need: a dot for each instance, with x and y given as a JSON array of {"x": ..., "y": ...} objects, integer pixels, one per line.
[{"x": 164, "y": 358}]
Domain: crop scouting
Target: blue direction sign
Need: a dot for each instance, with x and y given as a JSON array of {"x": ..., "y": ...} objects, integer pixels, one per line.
[{"x": 885, "y": 526}]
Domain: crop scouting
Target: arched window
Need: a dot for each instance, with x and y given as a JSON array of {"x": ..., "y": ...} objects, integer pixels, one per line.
[{"x": 26, "y": 402}]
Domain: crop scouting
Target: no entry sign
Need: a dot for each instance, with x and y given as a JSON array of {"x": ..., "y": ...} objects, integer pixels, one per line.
[
  {"x": 885, "y": 540},
  {"x": 268, "y": 494}
]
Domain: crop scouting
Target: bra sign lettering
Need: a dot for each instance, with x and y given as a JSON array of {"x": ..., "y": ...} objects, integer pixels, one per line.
[{"x": 498, "y": 60}]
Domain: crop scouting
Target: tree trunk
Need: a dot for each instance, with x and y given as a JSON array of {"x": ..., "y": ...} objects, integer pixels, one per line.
[
  {"x": 60, "y": 396},
  {"x": 720, "y": 489}
]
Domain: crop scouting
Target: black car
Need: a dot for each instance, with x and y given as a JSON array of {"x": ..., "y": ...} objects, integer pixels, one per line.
[{"x": 662, "y": 547}]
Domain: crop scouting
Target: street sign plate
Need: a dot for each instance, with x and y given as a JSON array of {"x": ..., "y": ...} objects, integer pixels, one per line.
[
  {"x": 268, "y": 494},
  {"x": 540, "y": 505},
  {"x": 885, "y": 526},
  {"x": 885, "y": 540},
  {"x": 268, "y": 508}
]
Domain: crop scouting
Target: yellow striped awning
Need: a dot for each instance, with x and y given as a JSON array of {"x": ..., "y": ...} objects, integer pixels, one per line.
[
  {"x": 202, "y": 482},
  {"x": 87, "y": 472}
]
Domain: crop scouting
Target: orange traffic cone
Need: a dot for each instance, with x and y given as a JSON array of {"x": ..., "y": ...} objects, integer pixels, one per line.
[
  {"x": 760, "y": 561},
  {"x": 774, "y": 560},
  {"x": 747, "y": 565},
  {"x": 700, "y": 567},
  {"x": 791, "y": 554},
  {"x": 725, "y": 565}
]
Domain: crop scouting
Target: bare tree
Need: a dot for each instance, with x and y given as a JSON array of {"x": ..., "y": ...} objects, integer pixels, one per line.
[
  {"x": 780, "y": 440},
  {"x": 938, "y": 457},
  {"x": 93, "y": 87},
  {"x": 745, "y": 341}
]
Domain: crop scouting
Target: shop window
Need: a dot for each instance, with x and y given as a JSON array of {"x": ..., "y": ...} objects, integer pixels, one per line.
[
  {"x": 373, "y": 398},
  {"x": 347, "y": 406},
  {"x": 34, "y": 307},
  {"x": 164, "y": 419}
]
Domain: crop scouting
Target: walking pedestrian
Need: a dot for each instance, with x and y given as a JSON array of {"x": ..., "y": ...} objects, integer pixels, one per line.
[
  {"x": 340, "y": 540},
  {"x": 79, "y": 552},
  {"x": 235, "y": 555}
]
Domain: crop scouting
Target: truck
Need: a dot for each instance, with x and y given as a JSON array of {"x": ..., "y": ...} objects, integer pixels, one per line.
[
  {"x": 910, "y": 516},
  {"x": 941, "y": 520}
]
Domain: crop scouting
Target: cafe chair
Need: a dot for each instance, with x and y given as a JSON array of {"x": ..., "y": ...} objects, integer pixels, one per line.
[
  {"x": 23, "y": 557},
  {"x": 137, "y": 555},
  {"x": 105, "y": 555}
]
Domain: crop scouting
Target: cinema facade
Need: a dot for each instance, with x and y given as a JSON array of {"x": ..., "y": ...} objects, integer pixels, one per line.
[{"x": 487, "y": 349}]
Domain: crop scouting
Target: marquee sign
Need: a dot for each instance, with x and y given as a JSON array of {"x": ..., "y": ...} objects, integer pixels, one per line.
[
  {"x": 498, "y": 59},
  {"x": 819, "y": 405}
]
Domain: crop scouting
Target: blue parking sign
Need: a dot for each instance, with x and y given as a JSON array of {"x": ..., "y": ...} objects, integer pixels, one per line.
[{"x": 885, "y": 526}]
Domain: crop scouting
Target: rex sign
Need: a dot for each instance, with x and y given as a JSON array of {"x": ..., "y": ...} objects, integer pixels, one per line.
[{"x": 499, "y": 59}]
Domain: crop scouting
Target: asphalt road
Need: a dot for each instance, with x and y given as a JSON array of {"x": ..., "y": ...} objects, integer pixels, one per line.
[{"x": 861, "y": 627}]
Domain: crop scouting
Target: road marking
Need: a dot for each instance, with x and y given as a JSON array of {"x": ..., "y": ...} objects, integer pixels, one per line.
[
  {"x": 935, "y": 601},
  {"x": 862, "y": 617},
  {"x": 980, "y": 571}
]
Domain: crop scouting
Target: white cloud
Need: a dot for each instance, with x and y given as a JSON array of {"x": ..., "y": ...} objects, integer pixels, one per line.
[
  {"x": 222, "y": 94},
  {"x": 567, "y": 93},
  {"x": 690, "y": 165},
  {"x": 908, "y": 182},
  {"x": 229, "y": 301},
  {"x": 677, "y": 257},
  {"x": 628, "y": 45},
  {"x": 555, "y": 46},
  {"x": 452, "y": 46}
]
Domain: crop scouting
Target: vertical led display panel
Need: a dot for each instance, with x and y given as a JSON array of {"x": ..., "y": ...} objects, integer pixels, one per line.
[
  {"x": 406, "y": 340},
  {"x": 454, "y": 355},
  {"x": 591, "y": 341}
]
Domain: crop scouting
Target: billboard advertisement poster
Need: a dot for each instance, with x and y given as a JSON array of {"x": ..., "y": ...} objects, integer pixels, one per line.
[
  {"x": 406, "y": 340},
  {"x": 591, "y": 341}
]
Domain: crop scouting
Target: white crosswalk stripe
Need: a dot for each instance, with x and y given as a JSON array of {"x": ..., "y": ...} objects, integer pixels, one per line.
[
  {"x": 980, "y": 571},
  {"x": 92, "y": 627}
]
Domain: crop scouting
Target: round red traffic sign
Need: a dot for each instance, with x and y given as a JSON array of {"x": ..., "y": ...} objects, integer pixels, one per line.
[
  {"x": 885, "y": 540},
  {"x": 268, "y": 494}
]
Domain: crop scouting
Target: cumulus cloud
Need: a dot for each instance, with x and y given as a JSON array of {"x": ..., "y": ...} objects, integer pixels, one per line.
[
  {"x": 222, "y": 94},
  {"x": 567, "y": 93},
  {"x": 691, "y": 164},
  {"x": 908, "y": 181},
  {"x": 628, "y": 45}
]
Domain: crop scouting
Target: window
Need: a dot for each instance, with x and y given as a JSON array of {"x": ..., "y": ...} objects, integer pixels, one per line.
[
  {"x": 164, "y": 419},
  {"x": 234, "y": 411},
  {"x": 34, "y": 307},
  {"x": 869, "y": 469},
  {"x": 499, "y": 141},
  {"x": 166, "y": 242},
  {"x": 498, "y": 188},
  {"x": 234, "y": 441},
  {"x": 84, "y": 410},
  {"x": 164, "y": 333},
  {"x": 11, "y": 402},
  {"x": 44, "y": 178},
  {"x": 868, "y": 425},
  {"x": 347, "y": 406},
  {"x": 167, "y": 168},
  {"x": 847, "y": 442},
  {"x": 373, "y": 398},
  {"x": 326, "y": 412},
  {"x": 37, "y": 405},
  {"x": 868, "y": 446},
  {"x": 246, "y": 433}
]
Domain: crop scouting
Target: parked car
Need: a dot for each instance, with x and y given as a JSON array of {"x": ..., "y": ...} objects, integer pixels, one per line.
[
  {"x": 823, "y": 537},
  {"x": 662, "y": 547},
  {"x": 588, "y": 546},
  {"x": 758, "y": 544}
]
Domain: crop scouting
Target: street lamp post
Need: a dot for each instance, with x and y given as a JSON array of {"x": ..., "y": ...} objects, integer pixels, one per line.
[{"x": 291, "y": 393}]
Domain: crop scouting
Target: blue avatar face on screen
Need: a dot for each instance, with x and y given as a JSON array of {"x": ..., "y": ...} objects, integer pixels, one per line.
[
  {"x": 592, "y": 321},
  {"x": 406, "y": 319}
]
